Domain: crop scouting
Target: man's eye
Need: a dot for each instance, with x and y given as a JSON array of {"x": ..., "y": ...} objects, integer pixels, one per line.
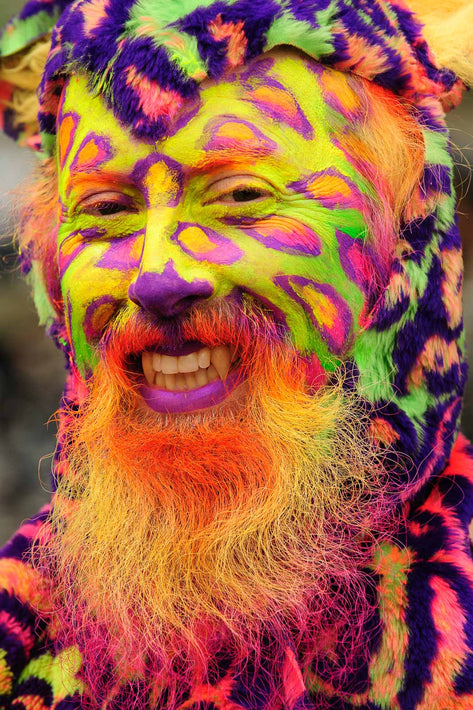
[
  {"x": 234, "y": 189},
  {"x": 106, "y": 208},
  {"x": 246, "y": 194},
  {"x": 106, "y": 205}
]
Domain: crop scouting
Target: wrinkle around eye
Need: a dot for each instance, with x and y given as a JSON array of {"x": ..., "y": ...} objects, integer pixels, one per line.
[
  {"x": 107, "y": 204},
  {"x": 240, "y": 189}
]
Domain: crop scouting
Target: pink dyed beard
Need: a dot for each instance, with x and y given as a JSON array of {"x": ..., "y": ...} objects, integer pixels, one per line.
[{"x": 210, "y": 532}]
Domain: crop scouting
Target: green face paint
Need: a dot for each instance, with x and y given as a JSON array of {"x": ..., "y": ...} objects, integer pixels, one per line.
[{"x": 250, "y": 193}]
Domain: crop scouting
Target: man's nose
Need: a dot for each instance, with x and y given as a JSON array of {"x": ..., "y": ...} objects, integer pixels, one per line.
[{"x": 168, "y": 294}]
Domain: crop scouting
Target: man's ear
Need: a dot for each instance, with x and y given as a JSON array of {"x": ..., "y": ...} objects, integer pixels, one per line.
[{"x": 448, "y": 29}]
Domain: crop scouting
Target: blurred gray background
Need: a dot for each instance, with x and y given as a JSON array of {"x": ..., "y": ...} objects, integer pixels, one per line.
[{"x": 31, "y": 370}]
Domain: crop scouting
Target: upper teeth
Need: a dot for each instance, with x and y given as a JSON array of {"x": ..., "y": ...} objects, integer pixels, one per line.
[{"x": 187, "y": 371}]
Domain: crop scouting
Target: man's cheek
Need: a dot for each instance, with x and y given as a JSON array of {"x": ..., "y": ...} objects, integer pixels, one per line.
[
  {"x": 95, "y": 277},
  {"x": 86, "y": 321},
  {"x": 73, "y": 245},
  {"x": 311, "y": 286},
  {"x": 331, "y": 316}
]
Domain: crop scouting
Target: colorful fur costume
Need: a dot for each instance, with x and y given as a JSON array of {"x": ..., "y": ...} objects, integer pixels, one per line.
[{"x": 146, "y": 57}]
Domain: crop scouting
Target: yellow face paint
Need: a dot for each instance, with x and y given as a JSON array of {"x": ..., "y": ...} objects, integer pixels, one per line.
[{"x": 249, "y": 196}]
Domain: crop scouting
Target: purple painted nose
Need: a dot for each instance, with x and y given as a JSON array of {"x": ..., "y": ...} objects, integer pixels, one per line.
[{"x": 167, "y": 294}]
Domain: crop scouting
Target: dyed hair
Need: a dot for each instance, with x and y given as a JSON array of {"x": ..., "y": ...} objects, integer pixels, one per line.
[{"x": 206, "y": 536}]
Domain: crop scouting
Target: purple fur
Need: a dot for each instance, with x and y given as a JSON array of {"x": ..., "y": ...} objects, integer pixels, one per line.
[
  {"x": 257, "y": 19},
  {"x": 422, "y": 645},
  {"x": 305, "y": 12},
  {"x": 436, "y": 178},
  {"x": 54, "y": 7}
]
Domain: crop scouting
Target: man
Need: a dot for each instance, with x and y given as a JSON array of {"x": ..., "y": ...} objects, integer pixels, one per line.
[{"x": 242, "y": 236}]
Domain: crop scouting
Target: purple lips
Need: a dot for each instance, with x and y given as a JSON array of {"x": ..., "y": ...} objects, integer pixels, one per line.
[{"x": 213, "y": 393}]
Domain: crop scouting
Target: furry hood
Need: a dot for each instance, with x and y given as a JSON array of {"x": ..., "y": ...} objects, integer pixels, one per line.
[{"x": 173, "y": 46}]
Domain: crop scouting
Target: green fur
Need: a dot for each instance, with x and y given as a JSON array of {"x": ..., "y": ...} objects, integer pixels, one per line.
[
  {"x": 23, "y": 32},
  {"x": 165, "y": 14},
  {"x": 315, "y": 42},
  {"x": 60, "y": 671}
]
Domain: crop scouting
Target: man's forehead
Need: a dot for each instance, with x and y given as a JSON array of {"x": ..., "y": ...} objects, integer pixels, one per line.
[{"x": 254, "y": 110}]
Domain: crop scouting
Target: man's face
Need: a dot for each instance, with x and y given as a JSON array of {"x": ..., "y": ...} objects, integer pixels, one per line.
[{"x": 250, "y": 197}]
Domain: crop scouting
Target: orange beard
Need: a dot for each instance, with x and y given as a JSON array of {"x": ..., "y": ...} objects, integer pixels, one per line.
[{"x": 203, "y": 535}]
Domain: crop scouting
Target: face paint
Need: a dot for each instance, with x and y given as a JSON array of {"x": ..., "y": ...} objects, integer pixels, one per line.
[{"x": 250, "y": 196}]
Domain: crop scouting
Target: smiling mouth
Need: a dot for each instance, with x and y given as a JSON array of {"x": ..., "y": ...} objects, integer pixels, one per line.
[
  {"x": 198, "y": 379},
  {"x": 187, "y": 372}
]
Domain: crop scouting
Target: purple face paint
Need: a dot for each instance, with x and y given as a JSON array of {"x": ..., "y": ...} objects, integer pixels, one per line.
[
  {"x": 204, "y": 244},
  {"x": 295, "y": 239},
  {"x": 328, "y": 311},
  {"x": 330, "y": 188},
  {"x": 243, "y": 197},
  {"x": 273, "y": 100},
  {"x": 92, "y": 152},
  {"x": 97, "y": 316},
  {"x": 167, "y": 294},
  {"x": 159, "y": 173},
  {"x": 227, "y": 132},
  {"x": 120, "y": 255}
]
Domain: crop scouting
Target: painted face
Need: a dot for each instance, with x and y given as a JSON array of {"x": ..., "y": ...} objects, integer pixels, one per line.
[{"x": 250, "y": 196}]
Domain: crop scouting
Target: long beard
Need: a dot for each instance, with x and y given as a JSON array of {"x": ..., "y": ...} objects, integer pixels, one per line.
[{"x": 180, "y": 541}]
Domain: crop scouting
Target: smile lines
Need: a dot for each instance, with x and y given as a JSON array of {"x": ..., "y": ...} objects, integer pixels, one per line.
[{"x": 187, "y": 372}]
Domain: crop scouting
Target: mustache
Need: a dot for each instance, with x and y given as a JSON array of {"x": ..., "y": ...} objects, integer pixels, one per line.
[{"x": 238, "y": 322}]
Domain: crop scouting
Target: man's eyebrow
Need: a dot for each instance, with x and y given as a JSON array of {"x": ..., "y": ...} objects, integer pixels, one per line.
[
  {"x": 232, "y": 140},
  {"x": 81, "y": 179},
  {"x": 230, "y": 157}
]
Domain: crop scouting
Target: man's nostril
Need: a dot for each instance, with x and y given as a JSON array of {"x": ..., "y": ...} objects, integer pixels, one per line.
[{"x": 187, "y": 302}]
